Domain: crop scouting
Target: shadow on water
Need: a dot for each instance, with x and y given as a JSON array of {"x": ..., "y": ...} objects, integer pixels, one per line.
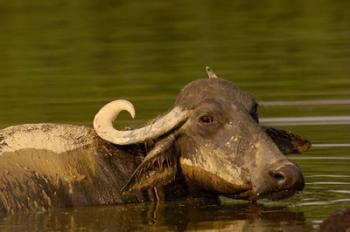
[{"x": 171, "y": 216}]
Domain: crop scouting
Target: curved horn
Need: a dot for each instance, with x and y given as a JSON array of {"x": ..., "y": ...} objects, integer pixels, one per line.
[{"x": 103, "y": 124}]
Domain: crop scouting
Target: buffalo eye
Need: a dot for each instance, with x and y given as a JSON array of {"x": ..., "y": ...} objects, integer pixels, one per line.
[{"x": 206, "y": 119}]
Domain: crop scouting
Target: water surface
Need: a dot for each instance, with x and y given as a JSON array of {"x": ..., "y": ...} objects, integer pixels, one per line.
[{"x": 62, "y": 60}]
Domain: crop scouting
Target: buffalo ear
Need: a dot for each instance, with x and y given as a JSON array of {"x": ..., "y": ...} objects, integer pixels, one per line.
[
  {"x": 158, "y": 168},
  {"x": 288, "y": 142}
]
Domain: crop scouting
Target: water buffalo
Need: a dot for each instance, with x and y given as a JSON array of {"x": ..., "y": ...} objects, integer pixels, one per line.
[
  {"x": 338, "y": 221},
  {"x": 210, "y": 143}
]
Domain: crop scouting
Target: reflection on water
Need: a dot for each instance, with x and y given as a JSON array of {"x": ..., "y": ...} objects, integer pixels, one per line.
[
  {"x": 61, "y": 60},
  {"x": 170, "y": 216}
]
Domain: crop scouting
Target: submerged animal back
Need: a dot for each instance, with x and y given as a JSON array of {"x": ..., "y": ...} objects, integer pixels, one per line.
[{"x": 53, "y": 137}]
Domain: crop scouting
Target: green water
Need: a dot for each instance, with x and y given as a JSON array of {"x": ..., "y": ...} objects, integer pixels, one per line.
[{"x": 62, "y": 60}]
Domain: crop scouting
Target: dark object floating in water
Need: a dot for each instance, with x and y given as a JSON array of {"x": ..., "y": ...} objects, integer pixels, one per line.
[{"x": 339, "y": 221}]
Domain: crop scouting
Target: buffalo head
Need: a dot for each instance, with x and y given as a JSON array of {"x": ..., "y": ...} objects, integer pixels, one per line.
[{"x": 213, "y": 137}]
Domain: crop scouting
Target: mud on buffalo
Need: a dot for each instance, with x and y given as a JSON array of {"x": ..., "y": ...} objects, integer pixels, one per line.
[{"x": 209, "y": 144}]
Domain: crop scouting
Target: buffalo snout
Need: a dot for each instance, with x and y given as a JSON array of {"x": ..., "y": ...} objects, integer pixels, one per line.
[{"x": 282, "y": 181}]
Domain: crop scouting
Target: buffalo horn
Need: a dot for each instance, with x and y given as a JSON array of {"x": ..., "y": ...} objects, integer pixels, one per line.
[{"x": 103, "y": 124}]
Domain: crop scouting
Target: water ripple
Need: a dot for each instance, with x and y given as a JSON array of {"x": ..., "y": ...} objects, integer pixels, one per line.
[
  {"x": 332, "y": 176},
  {"x": 329, "y": 183},
  {"x": 318, "y": 203},
  {"x": 306, "y": 102},
  {"x": 339, "y": 191},
  {"x": 311, "y": 120},
  {"x": 320, "y": 158}
]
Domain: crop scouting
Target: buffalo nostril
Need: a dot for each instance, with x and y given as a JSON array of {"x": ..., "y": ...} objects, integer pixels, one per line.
[
  {"x": 277, "y": 176},
  {"x": 288, "y": 177}
]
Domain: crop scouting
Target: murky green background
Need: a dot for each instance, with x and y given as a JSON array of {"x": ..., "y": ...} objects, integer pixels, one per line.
[{"x": 61, "y": 60}]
